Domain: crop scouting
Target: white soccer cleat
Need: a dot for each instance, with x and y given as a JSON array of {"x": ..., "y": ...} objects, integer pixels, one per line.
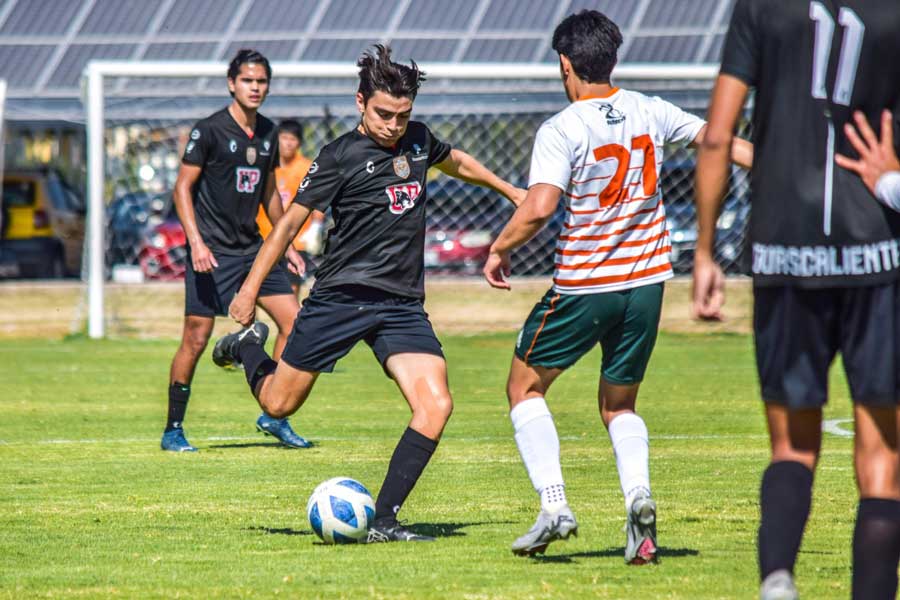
[{"x": 549, "y": 527}]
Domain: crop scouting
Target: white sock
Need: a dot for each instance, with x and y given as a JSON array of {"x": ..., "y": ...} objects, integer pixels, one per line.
[
  {"x": 538, "y": 444},
  {"x": 631, "y": 445}
]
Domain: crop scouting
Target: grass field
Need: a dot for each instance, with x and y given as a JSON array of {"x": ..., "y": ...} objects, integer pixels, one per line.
[{"x": 90, "y": 507}]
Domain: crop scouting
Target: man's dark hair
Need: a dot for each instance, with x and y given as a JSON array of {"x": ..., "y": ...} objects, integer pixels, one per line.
[
  {"x": 245, "y": 56},
  {"x": 292, "y": 127},
  {"x": 378, "y": 73},
  {"x": 590, "y": 40}
]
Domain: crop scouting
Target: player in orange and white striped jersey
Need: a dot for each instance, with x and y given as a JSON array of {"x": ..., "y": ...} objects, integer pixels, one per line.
[{"x": 602, "y": 155}]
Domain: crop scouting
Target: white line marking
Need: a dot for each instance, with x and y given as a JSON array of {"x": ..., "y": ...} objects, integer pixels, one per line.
[{"x": 833, "y": 426}]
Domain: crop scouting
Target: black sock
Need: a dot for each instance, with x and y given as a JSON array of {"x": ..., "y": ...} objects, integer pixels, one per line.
[
  {"x": 178, "y": 399},
  {"x": 257, "y": 364},
  {"x": 410, "y": 457},
  {"x": 876, "y": 549},
  {"x": 785, "y": 498}
]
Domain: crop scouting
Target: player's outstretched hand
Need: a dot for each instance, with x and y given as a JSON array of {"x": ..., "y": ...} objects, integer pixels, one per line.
[
  {"x": 876, "y": 157},
  {"x": 708, "y": 290},
  {"x": 202, "y": 258},
  {"x": 243, "y": 309},
  {"x": 296, "y": 264},
  {"x": 497, "y": 269}
]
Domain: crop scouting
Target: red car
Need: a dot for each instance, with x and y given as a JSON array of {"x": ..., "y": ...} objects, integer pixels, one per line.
[
  {"x": 163, "y": 252},
  {"x": 456, "y": 251}
]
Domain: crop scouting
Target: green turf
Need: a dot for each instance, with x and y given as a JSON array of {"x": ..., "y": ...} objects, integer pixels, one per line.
[{"x": 90, "y": 507}]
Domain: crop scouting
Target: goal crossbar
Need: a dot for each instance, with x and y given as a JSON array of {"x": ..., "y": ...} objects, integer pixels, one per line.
[{"x": 97, "y": 71}]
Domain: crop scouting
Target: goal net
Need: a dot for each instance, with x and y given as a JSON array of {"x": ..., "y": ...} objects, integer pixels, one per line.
[{"x": 137, "y": 133}]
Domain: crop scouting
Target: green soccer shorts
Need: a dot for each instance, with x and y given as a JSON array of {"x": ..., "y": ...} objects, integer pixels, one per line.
[{"x": 564, "y": 327}]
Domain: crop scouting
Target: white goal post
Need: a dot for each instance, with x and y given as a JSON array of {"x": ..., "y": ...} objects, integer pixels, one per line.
[{"x": 97, "y": 72}]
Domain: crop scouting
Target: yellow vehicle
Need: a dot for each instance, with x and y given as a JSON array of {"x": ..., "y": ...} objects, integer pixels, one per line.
[{"x": 43, "y": 225}]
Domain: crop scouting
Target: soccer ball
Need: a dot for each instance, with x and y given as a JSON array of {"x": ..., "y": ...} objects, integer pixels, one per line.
[{"x": 340, "y": 511}]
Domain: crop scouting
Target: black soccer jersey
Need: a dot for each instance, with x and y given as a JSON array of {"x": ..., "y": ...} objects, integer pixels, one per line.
[
  {"x": 235, "y": 170},
  {"x": 813, "y": 63},
  {"x": 377, "y": 201}
]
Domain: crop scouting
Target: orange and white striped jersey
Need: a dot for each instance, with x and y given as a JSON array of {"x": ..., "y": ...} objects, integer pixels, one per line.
[{"x": 605, "y": 154}]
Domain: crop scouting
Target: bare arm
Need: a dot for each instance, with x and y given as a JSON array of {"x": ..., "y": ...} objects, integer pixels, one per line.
[
  {"x": 202, "y": 258},
  {"x": 710, "y": 182},
  {"x": 243, "y": 307},
  {"x": 273, "y": 205},
  {"x": 275, "y": 210},
  {"x": 741, "y": 149},
  {"x": 463, "y": 166},
  {"x": 529, "y": 218}
]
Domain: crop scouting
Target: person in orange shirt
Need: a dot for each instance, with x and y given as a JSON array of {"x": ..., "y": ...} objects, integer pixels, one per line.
[{"x": 291, "y": 170}]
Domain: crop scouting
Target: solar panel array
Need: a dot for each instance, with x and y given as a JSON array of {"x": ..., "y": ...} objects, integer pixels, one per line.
[{"x": 45, "y": 44}]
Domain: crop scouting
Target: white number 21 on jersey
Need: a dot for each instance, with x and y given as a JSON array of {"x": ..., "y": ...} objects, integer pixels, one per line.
[{"x": 850, "y": 49}]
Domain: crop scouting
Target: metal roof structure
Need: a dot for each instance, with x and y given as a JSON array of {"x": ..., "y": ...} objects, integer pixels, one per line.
[{"x": 45, "y": 44}]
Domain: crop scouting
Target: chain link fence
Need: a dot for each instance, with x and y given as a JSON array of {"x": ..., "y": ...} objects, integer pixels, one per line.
[{"x": 145, "y": 241}]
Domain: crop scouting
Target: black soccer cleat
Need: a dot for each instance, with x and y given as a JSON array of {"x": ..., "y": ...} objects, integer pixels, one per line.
[
  {"x": 225, "y": 352},
  {"x": 393, "y": 531}
]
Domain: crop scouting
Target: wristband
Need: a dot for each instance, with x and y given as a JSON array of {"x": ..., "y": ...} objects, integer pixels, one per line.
[{"x": 887, "y": 189}]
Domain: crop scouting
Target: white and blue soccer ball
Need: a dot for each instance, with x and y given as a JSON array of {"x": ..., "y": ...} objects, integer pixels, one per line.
[{"x": 340, "y": 511}]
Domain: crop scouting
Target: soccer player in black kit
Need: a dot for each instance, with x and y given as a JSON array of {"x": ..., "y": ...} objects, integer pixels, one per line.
[
  {"x": 826, "y": 261},
  {"x": 370, "y": 285},
  {"x": 225, "y": 174}
]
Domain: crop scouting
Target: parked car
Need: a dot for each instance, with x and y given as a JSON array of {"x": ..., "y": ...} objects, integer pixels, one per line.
[
  {"x": 677, "y": 181},
  {"x": 463, "y": 220},
  {"x": 163, "y": 251},
  {"x": 129, "y": 219},
  {"x": 43, "y": 225}
]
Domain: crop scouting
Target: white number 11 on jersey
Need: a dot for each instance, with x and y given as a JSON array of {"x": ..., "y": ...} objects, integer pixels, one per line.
[
  {"x": 850, "y": 49},
  {"x": 843, "y": 82}
]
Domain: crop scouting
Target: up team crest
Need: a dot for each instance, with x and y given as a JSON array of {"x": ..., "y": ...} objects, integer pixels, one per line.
[
  {"x": 403, "y": 197},
  {"x": 246, "y": 179}
]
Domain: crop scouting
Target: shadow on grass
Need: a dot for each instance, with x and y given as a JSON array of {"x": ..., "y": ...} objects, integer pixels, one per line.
[
  {"x": 281, "y": 530},
  {"x": 664, "y": 553},
  {"x": 250, "y": 445},
  {"x": 439, "y": 530}
]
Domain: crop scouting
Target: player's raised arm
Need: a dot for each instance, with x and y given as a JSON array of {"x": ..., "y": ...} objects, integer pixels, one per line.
[
  {"x": 243, "y": 307},
  {"x": 202, "y": 258},
  {"x": 713, "y": 156},
  {"x": 464, "y": 166}
]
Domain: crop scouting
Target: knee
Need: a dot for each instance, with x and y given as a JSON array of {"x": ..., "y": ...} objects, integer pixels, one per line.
[
  {"x": 195, "y": 340},
  {"x": 518, "y": 391},
  {"x": 280, "y": 406},
  {"x": 443, "y": 407},
  {"x": 436, "y": 410}
]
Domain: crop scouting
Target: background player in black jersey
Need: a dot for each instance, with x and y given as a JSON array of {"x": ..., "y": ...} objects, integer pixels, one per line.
[
  {"x": 826, "y": 261},
  {"x": 370, "y": 285},
  {"x": 223, "y": 178}
]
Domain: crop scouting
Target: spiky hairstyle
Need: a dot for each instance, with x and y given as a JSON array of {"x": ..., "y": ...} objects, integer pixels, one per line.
[{"x": 378, "y": 73}]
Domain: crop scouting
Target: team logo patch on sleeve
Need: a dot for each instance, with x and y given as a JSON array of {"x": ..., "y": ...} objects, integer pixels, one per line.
[
  {"x": 403, "y": 197},
  {"x": 401, "y": 167},
  {"x": 246, "y": 179}
]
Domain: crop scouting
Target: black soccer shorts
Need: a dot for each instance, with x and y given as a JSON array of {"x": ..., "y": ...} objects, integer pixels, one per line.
[
  {"x": 210, "y": 294},
  {"x": 800, "y": 331},
  {"x": 333, "y": 320}
]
